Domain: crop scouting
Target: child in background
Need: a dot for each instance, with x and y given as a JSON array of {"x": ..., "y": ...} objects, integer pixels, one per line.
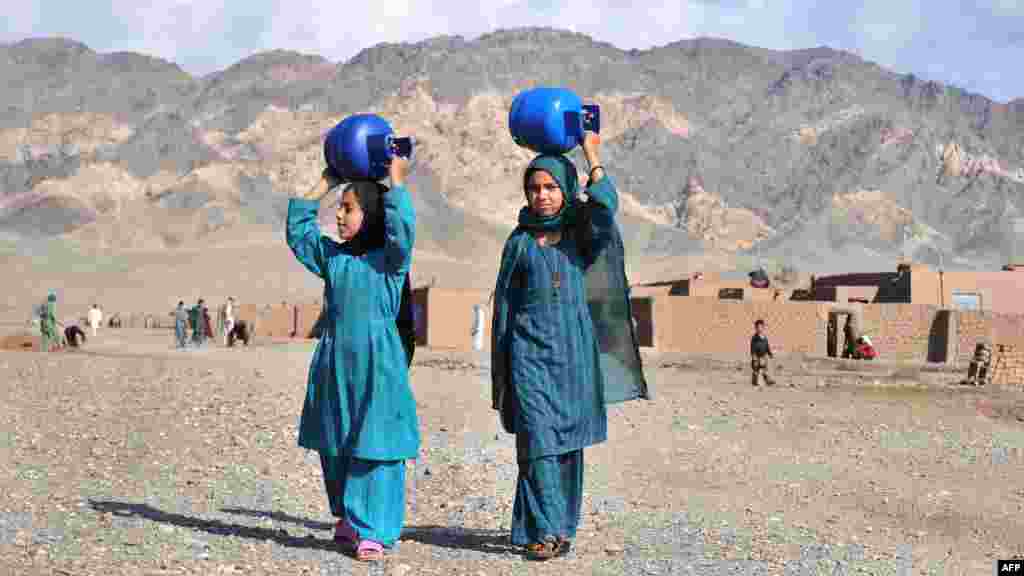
[{"x": 760, "y": 352}]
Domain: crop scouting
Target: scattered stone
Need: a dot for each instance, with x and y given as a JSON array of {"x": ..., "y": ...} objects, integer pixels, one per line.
[{"x": 614, "y": 548}]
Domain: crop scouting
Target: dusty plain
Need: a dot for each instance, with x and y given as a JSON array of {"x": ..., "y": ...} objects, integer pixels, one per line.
[{"x": 130, "y": 457}]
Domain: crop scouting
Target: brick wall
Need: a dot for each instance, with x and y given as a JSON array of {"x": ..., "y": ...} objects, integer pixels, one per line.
[
  {"x": 269, "y": 321},
  {"x": 1008, "y": 365},
  {"x": 903, "y": 332},
  {"x": 899, "y": 332},
  {"x": 713, "y": 326},
  {"x": 975, "y": 326},
  {"x": 708, "y": 325},
  {"x": 972, "y": 327}
]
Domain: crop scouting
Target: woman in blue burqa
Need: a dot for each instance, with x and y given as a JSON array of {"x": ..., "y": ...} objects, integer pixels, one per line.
[
  {"x": 561, "y": 295},
  {"x": 359, "y": 412}
]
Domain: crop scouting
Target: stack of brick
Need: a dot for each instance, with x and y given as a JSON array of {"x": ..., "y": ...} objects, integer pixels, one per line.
[{"x": 1008, "y": 365}]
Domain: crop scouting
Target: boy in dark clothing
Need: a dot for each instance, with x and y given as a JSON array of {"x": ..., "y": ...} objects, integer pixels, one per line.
[
  {"x": 240, "y": 332},
  {"x": 760, "y": 352}
]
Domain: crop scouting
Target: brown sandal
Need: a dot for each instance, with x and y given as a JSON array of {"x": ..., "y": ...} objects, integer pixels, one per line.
[{"x": 548, "y": 549}]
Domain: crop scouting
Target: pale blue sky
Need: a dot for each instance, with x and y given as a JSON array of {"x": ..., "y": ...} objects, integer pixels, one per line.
[{"x": 975, "y": 45}]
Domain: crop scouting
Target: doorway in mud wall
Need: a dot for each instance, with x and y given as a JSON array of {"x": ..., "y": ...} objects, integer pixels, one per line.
[{"x": 837, "y": 320}]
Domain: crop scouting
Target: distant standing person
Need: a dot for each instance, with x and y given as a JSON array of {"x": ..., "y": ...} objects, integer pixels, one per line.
[
  {"x": 198, "y": 325},
  {"x": 48, "y": 323},
  {"x": 229, "y": 318},
  {"x": 95, "y": 318},
  {"x": 849, "y": 337},
  {"x": 207, "y": 324},
  {"x": 760, "y": 352},
  {"x": 477, "y": 331},
  {"x": 181, "y": 324}
]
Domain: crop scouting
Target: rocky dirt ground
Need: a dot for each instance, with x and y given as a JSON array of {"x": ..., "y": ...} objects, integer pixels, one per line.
[{"x": 129, "y": 457}]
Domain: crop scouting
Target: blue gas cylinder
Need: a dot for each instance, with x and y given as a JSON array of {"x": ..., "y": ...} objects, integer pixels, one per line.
[
  {"x": 546, "y": 120},
  {"x": 357, "y": 148}
]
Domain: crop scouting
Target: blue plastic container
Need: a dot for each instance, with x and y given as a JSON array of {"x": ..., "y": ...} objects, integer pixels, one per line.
[
  {"x": 358, "y": 147},
  {"x": 547, "y": 120}
]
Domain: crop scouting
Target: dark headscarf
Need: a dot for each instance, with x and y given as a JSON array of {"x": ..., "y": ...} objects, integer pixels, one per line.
[
  {"x": 564, "y": 172},
  {"x": 371, "y": 236}
]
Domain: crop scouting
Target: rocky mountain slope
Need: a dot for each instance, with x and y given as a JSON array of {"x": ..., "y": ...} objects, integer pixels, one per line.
[{"x": 814, "y": 158}]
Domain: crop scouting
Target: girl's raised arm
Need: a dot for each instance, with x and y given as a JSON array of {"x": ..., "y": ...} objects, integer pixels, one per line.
[
  {"x": 603, "y": 198},
  {"x": 399, "y": 218},
  {"x": 302, "y": 231}
]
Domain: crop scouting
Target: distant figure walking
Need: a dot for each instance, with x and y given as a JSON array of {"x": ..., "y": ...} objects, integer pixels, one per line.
[
  {"x": 180, "y": 324},
  {"x": 95, "y": 318},
  {"x": 760, "y": 352}
]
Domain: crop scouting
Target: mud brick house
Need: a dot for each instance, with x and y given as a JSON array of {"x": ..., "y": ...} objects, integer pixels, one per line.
[
  {"x": 283, "y": 320},
  {"x": 445, "y": 316},
  {"x": 996, "y": 291},
  {"x": 914, "y": 314},
  {"x": 712, "y": 285}
]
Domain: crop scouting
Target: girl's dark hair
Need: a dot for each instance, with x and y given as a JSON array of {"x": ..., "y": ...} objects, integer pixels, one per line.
[{"x": 370, "y": 196}]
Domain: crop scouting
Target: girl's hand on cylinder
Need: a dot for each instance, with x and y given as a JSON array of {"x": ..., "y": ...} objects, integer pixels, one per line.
[{"x": 398, "y": 171}]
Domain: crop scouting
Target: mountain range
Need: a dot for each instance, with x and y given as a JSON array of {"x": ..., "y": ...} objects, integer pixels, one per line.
[{"x": 725, "y": 155}]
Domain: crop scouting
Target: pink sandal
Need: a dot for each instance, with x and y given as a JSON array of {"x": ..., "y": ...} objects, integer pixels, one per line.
[{"x": 369, "y": 551}]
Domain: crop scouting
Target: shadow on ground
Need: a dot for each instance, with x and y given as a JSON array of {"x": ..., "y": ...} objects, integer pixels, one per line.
[
  {"x": 280, "y": 517},
  {"x": 217, "y": 527},
  {"x": 485, "y": 541}
]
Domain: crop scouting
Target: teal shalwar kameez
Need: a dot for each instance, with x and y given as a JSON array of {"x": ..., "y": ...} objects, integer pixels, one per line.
[
  {"x": 48, "y": 324},
  {"x": 359, "y": 412},
  {"x": 546, "y": 367}
]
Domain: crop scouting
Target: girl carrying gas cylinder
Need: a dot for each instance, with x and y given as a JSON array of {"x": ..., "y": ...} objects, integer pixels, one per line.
[
  {"x": 547, "y": 376},
  {"x": 359, "y": 412}
]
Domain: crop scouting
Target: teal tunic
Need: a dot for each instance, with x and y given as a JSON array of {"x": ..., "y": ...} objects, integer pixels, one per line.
[
  {"x": 557, "y": 402},
  {"x": 358, "y": 399},
  {"x": 556, "y": 383}
]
